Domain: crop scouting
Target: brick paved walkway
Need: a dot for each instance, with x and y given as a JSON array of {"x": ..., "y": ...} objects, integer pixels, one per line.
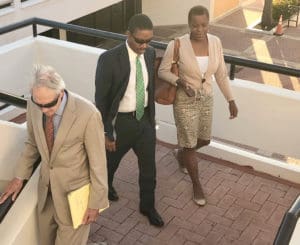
[{"x": 243, "y": 206}]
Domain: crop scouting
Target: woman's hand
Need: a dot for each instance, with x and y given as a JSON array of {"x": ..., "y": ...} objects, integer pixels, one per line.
[
  {"x": 232, "y": 109},
  {"x": 187, "y": 89}
]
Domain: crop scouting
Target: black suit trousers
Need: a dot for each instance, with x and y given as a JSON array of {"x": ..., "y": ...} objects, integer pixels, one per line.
[{"x": 139, "y": 136}]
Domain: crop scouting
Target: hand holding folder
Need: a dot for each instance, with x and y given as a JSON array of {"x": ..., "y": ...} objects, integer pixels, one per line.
[{"x": 78, "y": 203}]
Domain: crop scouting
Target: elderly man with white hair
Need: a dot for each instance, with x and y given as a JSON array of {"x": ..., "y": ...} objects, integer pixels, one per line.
[{"x": 66, "y": 131}]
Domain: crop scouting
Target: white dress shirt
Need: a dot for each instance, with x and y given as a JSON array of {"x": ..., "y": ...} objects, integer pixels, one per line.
[{"x": 128, "y": 102}]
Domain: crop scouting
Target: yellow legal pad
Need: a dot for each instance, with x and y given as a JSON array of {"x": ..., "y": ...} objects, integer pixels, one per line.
[{"x": 78, "y": 203}]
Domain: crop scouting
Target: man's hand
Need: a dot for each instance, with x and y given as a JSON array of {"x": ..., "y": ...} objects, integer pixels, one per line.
[
  {"x": 90, "y": 216},
  {"x": 109, "y": 144},
  {"x": 13, "y": 188},
  {"x": 187, "y": 89},
  {"x": 232, "y": 109}
]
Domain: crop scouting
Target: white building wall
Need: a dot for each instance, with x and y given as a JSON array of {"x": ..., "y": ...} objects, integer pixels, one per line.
[
  {"x": 57, "y": 10},
  {"x": 268, "y": 120},
  {"x": 19, "y": 226},
  {"x": 269, "y": 117},
  {"x": 16, "y": 66},
  {"x": 171, "y": 12},
  {"x": 76, "y": 63}
]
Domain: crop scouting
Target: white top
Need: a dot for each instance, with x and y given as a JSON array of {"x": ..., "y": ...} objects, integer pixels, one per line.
[
  {"x": 202, "y": 63},
  {"x": 128, "y": 102}
]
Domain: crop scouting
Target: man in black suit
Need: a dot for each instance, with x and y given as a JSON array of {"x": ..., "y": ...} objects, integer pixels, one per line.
[{"x": 125, "y": 97}]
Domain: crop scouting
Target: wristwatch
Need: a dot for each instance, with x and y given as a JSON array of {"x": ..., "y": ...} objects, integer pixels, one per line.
[{"x": 174, "y": 62}]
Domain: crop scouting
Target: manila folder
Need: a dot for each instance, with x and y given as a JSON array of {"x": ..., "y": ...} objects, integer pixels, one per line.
[{"x": 78, "y": 203}]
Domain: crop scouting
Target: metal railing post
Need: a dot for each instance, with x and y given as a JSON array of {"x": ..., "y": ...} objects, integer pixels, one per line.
[
  {"x": 34, "y": 29},
  {"x": 232, "y": 70},
  {"x": 288, "y": 224}
]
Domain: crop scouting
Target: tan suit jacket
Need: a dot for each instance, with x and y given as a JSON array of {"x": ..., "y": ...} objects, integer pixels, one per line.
[
  {"x": 189, "y": 69},
  {"x": 78, "y": 156}
]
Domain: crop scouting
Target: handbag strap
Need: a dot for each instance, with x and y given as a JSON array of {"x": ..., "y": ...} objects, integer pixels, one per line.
[{"x": 176, "y": 51}]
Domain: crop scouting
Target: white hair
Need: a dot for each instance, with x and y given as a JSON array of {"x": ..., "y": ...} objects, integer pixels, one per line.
[{"x": 46, "y": 76}]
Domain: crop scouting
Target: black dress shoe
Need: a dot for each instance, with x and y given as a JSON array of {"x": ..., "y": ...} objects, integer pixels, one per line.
[
  {"x": 153, "y": 217},
  {"x": 112, "y": 194}
]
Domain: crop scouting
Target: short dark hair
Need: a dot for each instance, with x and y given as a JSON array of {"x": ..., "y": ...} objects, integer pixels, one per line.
[
  {"x": 198, "y": 10},
  {"x": 139, "y": 21}
]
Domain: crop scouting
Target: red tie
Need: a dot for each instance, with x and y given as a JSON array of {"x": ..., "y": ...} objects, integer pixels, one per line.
[{"x": 49, "y": 132}]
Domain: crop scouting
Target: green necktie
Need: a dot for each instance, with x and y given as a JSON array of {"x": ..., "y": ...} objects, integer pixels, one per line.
[{"x": 140, "y": 90}]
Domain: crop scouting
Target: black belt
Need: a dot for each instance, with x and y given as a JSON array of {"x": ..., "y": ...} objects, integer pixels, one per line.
[{"x": 132, "y": 113}]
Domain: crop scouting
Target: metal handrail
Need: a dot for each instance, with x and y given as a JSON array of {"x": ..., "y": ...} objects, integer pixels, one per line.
[
  {"x": 13, "y": 100},
  {"x": 288, "y": 224},
  {"x": 232, "y": 60}
]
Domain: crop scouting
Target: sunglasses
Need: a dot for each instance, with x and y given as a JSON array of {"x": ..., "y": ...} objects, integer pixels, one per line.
[
  {"x": 141, "y": 41},
  {"x": 48, "y": 105}
]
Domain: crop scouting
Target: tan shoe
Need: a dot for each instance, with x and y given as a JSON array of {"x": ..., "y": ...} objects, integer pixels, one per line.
[{"x": 200, "y": 201}]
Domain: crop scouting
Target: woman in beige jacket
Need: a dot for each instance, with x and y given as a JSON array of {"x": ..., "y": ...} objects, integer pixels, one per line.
[{"x": 200, "y": 58}]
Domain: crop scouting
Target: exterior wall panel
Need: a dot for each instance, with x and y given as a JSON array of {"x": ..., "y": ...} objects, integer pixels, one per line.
[{"x": 221, "y": 7}]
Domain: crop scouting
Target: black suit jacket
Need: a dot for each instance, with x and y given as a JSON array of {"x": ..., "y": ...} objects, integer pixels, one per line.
[{"x": 112, "y": 77}]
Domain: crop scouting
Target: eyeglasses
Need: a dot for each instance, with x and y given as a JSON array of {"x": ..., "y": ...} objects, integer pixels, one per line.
[
  {"x": 48, "y": 105},
  {"x": 141, "y": 41}
]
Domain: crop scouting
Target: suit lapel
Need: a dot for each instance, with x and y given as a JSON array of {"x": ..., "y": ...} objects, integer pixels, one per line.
[
  {"x": 66, "y": 123},
  {"x": 150, "y": 69},
  {"x": 148, "y": 65},
  {"x": 146, "y": 55},
  {"x": 38, "y": 115},
  {"x": 210, "y": 55},
  {"x": 124, "y": 66},
  {"x": 124, "y": 60}
]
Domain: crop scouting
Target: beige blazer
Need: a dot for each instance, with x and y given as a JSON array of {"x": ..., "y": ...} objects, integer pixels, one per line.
[
  {"x": 78, "y": 156},
  {"x": 189, "y": 69}
]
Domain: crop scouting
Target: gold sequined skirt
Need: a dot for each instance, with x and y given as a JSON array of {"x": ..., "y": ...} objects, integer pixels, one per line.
[{"x": 193, "y": 118}]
